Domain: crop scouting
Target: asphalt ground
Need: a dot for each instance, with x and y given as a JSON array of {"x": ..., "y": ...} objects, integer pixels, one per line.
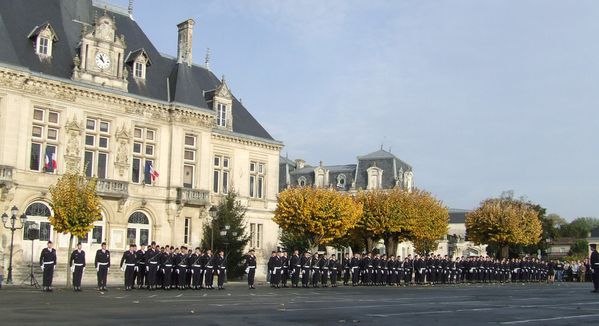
[{"x": 496, "y": 304}]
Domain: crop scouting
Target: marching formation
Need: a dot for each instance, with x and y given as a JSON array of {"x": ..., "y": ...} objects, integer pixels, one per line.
[
  {"x": 167, "y": 267},
  {"x": 314, "y": 270}
]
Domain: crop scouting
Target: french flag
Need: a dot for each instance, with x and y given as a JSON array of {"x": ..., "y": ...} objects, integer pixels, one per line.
[
  {"x": 149, "y": 173},
  {"x": 50, "y": 160}
]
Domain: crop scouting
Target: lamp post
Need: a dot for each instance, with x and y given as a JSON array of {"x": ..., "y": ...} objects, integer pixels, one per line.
[
  {"x": 224, "y": 233},
  {"x": 213, "y": 212},
  {"x": 13, "y": 220}
]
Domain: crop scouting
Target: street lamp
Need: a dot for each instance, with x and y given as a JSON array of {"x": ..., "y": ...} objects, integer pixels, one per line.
[
  {"x": 213, "y": 211},
  {"x": 13, "y": 220},
  {"x": 224, "y": 233}
]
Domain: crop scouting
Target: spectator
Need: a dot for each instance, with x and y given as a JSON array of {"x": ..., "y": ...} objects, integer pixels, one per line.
[
  {"x": 559, "y": 271},
  {"x": 575, "y": 268},
  {"x": 582, "y": 270}
]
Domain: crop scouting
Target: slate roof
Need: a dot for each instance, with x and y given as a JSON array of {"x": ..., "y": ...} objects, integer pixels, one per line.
[
  {"x": 67, "y": 17},
  {"x": 595, "y": 233},
  {"x": 457, "y": 216}
]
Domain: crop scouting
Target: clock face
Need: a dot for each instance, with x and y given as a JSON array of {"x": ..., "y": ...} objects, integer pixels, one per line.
[{"x": 102, "y": 60}]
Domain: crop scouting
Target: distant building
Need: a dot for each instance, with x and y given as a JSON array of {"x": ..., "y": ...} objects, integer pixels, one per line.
[
  {"x": 594, "y": 237},
  {"x": 377, "y": 170}
]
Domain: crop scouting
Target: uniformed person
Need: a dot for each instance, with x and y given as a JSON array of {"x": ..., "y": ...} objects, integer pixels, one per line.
[
  {"x": 354, "y": 265},
  {"x": 284, "y": 269},
  {"x": 182, "y": 262},
  {"x": 196, "y": 269},
  {"x": 315, "y": 270},
  {"x": 306, "y": 263},
  {"x": 334, "y": 269},
  {"x": 48, "y": 263},
  {"x": 77, "y": 264},
  {"x": 250, "y": 268},
  {"x": 295, "y": 268},
  {"x": 152, "y": 258},
  {"x": 166, "y": 265},
  {"x": 209, "y": 270},
  {"x": 345, "y": 263},
  {"x": 220, "y": 265},
  {"x": 102, "y": 264},
  {"x": 128, "y": 263},
  {"x": 324, "y": 271},
  {"x": 141, "y": 270},
  {"x": 595, "y": 267}
]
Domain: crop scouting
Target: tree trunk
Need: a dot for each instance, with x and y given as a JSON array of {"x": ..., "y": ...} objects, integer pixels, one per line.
[
  {"x": 390, "y": 246},
  {"x": 68, "y": 261},
  {"x": 505, "y": 252}
]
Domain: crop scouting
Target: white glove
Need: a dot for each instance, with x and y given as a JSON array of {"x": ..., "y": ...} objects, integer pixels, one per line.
[
  {"x": 84, "y": 269},
  {"x": 73, "y": 269},
  {"x": 97, "y": 268},
  {"x": 147, "y": 268},
  {"x": 135, "y": 268},
  {"x": 123, "y": 268},
  {"x": 107, "y": 269},
  {"x": 42, "y": 267}
]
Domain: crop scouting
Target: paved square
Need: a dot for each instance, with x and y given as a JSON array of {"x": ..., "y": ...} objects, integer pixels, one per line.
[{"x": 513, "y": 304}]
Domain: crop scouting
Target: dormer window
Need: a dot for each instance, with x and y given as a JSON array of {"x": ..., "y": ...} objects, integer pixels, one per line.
[
  {"x": 43, "y": 45},
  {"x": 139, "y": 70},
  {"x": 341, "y": 181},
  {"x": 43, "y": 39},
  {"x": 138, "y": 61},
  {"x": 302, "y": 181},
  {"x": 221, "y": 118}
]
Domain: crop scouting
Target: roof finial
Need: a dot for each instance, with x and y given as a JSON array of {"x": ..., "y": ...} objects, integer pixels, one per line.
[
  {"x": 320, "y": 163},
  {"x": 222, "y": 79},
  {"x": 130, "y": 8},
  {"x": 105, "y": 10},
  {"x": 207, "y": 59},
  {"x": 381, "y": 146}
]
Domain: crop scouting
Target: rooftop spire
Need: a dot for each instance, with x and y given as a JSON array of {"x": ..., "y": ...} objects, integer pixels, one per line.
[
  {"x": 207, "y": 59},
  {"x": 130, "y": 8}
]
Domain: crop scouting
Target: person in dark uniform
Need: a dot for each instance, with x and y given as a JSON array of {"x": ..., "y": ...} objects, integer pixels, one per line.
[
  {"x": 295, "y": 268},
  {"x": 354, "y": 265},
  {"x": 196, "y": 269},
  {"x": 166, "y": 265},
  {"x": 334, "y": 269},
  {"x": 182, "y": 264},
  {"x": 315, "y": 270},
  {"x": 152, "y": 264},
  {"x": 102, "y": 263},
  {"x": 220, "y": 264},
  {"x": 306, "y": 263},
  {"x": 48, "y": 263},
  {"x": 141, "y": 271},
  {"x": 77, "y": 264},
  {"x": 323, "y": 265},
  {"x": 209, "y": 270},
  {"x": 346, "y": 268},
  {"x": 277, "y": 266},
  {"x": 284, "y": 269},
  {"x": 128, "y": 263},
  {"x": 250, "y": 268},
  {"x": 595, "y": 267},
  {"x": 270, "y": 268}
]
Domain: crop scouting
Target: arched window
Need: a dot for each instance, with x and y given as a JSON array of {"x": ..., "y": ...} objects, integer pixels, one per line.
[
  {"x": 138, "y": 229},
  {"x": 138, "y": 218},
  {"x": 341, "y": 181},
  {"x": 38, "y": 209},
  {"x": 301, "y": 181},
  {"x": 38, "y": 213}
]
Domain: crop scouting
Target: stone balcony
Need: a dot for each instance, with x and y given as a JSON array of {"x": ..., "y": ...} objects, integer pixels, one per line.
[
  {"x": 193, "y": 197},
  {"x": 112, "y": 188}
]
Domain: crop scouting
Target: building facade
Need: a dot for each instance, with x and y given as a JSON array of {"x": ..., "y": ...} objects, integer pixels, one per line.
[{"x": 83, "y": 89}]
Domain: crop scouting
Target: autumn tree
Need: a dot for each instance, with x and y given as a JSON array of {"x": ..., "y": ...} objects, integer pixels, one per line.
[
  {"x": 503, "y": 222},
  {"x": 321, "y": 215},
  {"x": 430, "y": 221},
  {"x": 76, "y": 207}
]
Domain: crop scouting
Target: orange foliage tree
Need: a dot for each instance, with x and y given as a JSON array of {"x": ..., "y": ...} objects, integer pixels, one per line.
[
  {"x": 503, "y": 222},
  {"x": 321, "y": 215},
  {"x": 76, "y": 207}
]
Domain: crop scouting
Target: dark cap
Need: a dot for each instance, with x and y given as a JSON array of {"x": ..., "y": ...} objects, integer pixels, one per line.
[{"x": 594, "y": 246}]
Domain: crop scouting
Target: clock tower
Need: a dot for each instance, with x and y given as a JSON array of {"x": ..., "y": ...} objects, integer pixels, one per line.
[{"x": 101, "y": 56}]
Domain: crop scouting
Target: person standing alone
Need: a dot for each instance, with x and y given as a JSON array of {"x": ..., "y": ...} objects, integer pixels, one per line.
[{"x": 595, "y": 267}]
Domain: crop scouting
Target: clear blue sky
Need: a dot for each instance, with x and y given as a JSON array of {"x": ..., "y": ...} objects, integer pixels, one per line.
[{"x": 478, "y": 96}]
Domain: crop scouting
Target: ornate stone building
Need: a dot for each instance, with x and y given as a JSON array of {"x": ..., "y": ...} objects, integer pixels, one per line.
[{"x": 82, "y": 88}]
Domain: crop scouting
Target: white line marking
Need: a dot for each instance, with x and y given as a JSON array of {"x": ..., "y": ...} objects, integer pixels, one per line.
[
  {"x": 546, "y": 319},
  {"x": 178, "y": 296}
]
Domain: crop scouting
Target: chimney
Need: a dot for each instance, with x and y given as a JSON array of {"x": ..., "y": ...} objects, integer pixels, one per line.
[
  {"x": 185, "y": 42},
  {"x": 299, "y": 164}
]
